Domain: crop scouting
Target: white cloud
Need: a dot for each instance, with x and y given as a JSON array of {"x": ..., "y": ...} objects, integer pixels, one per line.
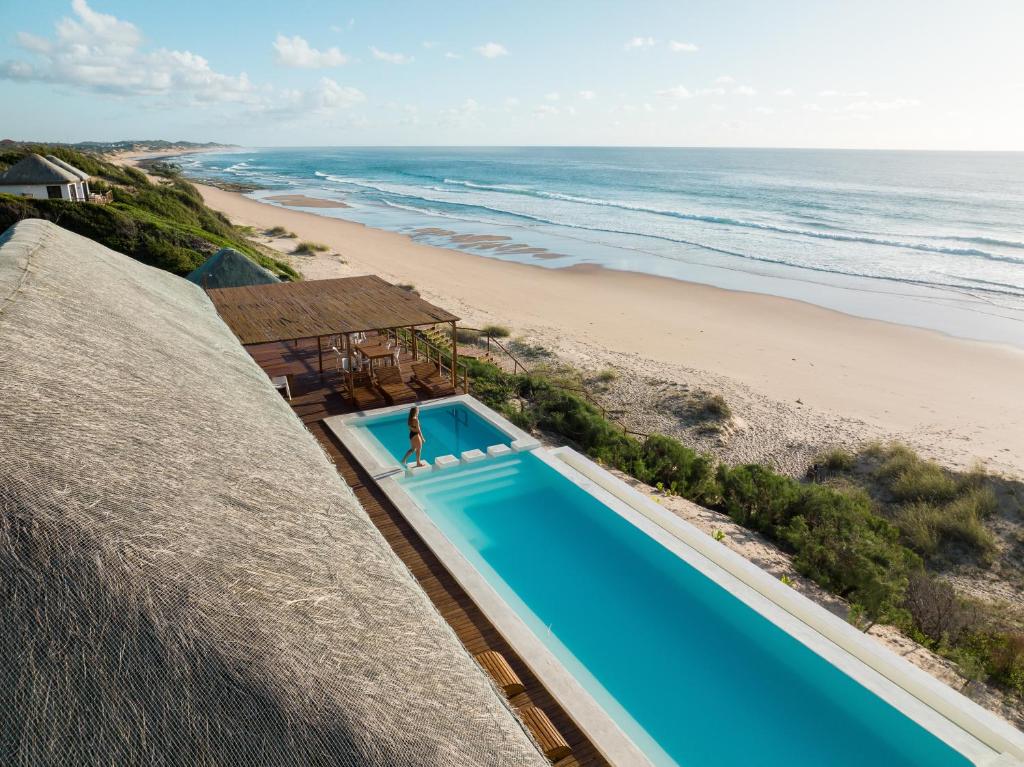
[
  {"x": 330, "y": 95},
  {"x": 676, "y": 93},
  {"x": 296, "y": 52},
  {"x": 587, "y": 95},
  {"x": 451, "y": 55},
  {"x": 717, "y": 107},
  {"x": 553, "y": 96},
  {"x": 785, "y": 92},
  {"x": 393, "y": 58},
  {"x": 827, "y": 94},
  {"x": 102, "y": 54},
  {"x": 711, "y": 91},
  {"x": 638, "y": 42},
  {"x": 511, "y": 102},
  {"x": 725, "y": 80},
  {"x": 545, "y": 110},
  {"x": 428, "y": 44},
  {"x": 881, "y": 106},
  {"x": 491, "y": 50},
  {"x": 678, "y": 47},
  {"x": 466, "y": 113},
  {"x": 744, "y": 90},
  {"x": 764, "y": 110}
]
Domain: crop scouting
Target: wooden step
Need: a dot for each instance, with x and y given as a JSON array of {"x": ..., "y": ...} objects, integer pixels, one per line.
[
  {"x": 494, "y": 663},
  {"x": 549, "y": 739}
]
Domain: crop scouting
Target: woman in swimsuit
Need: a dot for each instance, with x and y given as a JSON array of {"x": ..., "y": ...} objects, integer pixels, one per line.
[{"x": 416, "y": 439}]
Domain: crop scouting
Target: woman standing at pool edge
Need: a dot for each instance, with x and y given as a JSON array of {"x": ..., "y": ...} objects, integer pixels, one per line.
[{"x": 416, "y": 439}]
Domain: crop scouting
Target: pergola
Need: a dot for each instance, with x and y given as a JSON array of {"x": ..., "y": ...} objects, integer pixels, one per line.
[{"x": 294, "y": 311}]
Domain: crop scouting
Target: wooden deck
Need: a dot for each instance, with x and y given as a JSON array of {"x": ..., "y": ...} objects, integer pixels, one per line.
[{"x": 313, "y": 400}]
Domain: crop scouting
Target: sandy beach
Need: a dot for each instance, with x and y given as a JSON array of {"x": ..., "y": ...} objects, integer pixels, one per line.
[{"x": 797, "y": 376}]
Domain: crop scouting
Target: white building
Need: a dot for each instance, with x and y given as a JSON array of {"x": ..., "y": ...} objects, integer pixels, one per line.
[{"x": 45, "y": 178}]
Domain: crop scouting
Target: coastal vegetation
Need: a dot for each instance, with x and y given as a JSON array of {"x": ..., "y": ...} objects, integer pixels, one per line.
[
  {"x": 164, "y": 224},
  {"x": 306, "y": 248},
  {"x": 279, "y": 231},
  {"x": 874, "y": 528}
]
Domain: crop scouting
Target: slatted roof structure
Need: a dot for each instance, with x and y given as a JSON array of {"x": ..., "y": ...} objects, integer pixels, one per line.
[
  {"x": 292, "y": 311},
  {"x": 289, "y": 311}
]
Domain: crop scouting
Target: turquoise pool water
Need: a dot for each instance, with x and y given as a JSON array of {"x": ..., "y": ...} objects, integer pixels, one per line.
[
  {"x": 447, "y": 429},
  {"x": 693, "y": 675}
]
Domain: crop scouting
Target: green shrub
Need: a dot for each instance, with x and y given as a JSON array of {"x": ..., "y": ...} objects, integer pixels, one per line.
[
  {"x": 496, "y": 331},
  {"x": 679, "y": 469},
  {"x": 711, "y": 406},
  {"x": 606, "y": 376},
  {"x": 843, "y": 546},
  {"x": 467, "y": 336},
  {"x": 836, "y": 459},
  {"x": 279, "y": 231},
  {"x": 755, "y": 496}
]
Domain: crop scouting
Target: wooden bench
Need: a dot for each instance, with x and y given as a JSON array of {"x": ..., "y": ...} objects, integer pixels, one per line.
[
  {"x": 428, "y": 375},
  {"x": 497, "y": 667},
  {"x": 550, "y": 740},
  {"x": 396, "y": 391}
]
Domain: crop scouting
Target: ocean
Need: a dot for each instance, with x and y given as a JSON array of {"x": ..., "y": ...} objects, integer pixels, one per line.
[{"x": 929, "y": 239}]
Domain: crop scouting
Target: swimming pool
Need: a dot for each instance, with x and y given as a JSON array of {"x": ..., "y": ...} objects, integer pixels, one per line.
[
  {"x": 660, "y": 645},
  {"x": 451, "y": 426}
]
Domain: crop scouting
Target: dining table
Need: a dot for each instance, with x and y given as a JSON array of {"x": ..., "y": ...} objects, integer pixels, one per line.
[{"x": 375, "y": 353}]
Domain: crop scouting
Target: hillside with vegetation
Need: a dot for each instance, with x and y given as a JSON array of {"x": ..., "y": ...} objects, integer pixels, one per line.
[{"x": 161, "y": 222}]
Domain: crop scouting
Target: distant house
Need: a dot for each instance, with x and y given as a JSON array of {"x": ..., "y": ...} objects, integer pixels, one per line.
[{"x": 45, "y": 178}]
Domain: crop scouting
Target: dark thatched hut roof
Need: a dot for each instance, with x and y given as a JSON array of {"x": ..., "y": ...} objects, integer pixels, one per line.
[
  {"x": 36, "y": 169},
  {"x": 227, "y": 268},
  {"x": 184, "y": 578}
]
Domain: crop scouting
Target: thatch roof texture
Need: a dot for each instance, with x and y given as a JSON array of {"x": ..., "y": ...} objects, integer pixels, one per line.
[
  {"x": 184, "y": 579},
  {"x": 36, "y": 169},
  {"x": 82, "y": 175},
  {"x": 227, "y": 268}
]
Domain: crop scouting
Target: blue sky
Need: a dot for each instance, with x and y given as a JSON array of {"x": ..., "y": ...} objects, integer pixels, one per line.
[{"x": 911, "y": 74}]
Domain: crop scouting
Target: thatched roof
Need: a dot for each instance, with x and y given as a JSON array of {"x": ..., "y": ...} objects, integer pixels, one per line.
[
  {"x": 227, "y": 268},
  {"x": 184, "y": 579},
  {"x": 82, "y": 175},
  {"x": 289, "y": 310},
  {"x": 36, "y": 169}
]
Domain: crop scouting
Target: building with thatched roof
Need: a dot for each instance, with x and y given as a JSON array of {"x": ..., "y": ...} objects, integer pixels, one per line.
[
  {"x": 45, "y": 178},
  {"x": 184, "y": 578},
  {"x": 227, "y": 268}
]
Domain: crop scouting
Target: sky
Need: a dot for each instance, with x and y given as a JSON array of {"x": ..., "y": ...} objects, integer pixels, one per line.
[{"x": 892, "y": 74}]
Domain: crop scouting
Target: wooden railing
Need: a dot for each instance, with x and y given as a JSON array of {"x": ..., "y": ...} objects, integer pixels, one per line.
[{"x": 518, "y": 365}]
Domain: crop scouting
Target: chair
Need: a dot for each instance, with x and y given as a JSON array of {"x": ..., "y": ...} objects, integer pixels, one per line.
[
  {"x": 282, "y": 384},
  {"x": 364, "y": 394},
  {"x": 428, "y": 376},
  {"x": 396, "y": 391}
]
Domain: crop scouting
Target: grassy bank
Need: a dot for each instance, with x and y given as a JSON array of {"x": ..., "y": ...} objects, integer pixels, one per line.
[
  {"x": 873, "y": 528},
  {"x": 163, "y": 224}
]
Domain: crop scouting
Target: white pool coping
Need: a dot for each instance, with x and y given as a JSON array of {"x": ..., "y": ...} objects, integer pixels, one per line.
[
  {"x": 979, "y": 735},
  {"x": 350, "y": 429}
]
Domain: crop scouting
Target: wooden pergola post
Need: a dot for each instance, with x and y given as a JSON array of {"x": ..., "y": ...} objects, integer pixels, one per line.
[
  {"x": 415, "y": 352},
  {"x": 320, "y": 353},
  {"x": 348, "y": 355},
  {"x": 455, "y": 356}
]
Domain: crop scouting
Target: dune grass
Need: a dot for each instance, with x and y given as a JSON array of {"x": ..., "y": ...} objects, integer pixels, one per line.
[{"x": 307, "y": 248}]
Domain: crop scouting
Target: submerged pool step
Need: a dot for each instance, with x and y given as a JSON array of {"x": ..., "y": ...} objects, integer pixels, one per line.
[{"x": 483, "y": 477}]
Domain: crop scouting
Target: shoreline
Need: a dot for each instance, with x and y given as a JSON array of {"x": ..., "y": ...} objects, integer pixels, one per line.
[{"x": 952, "y": 398}]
